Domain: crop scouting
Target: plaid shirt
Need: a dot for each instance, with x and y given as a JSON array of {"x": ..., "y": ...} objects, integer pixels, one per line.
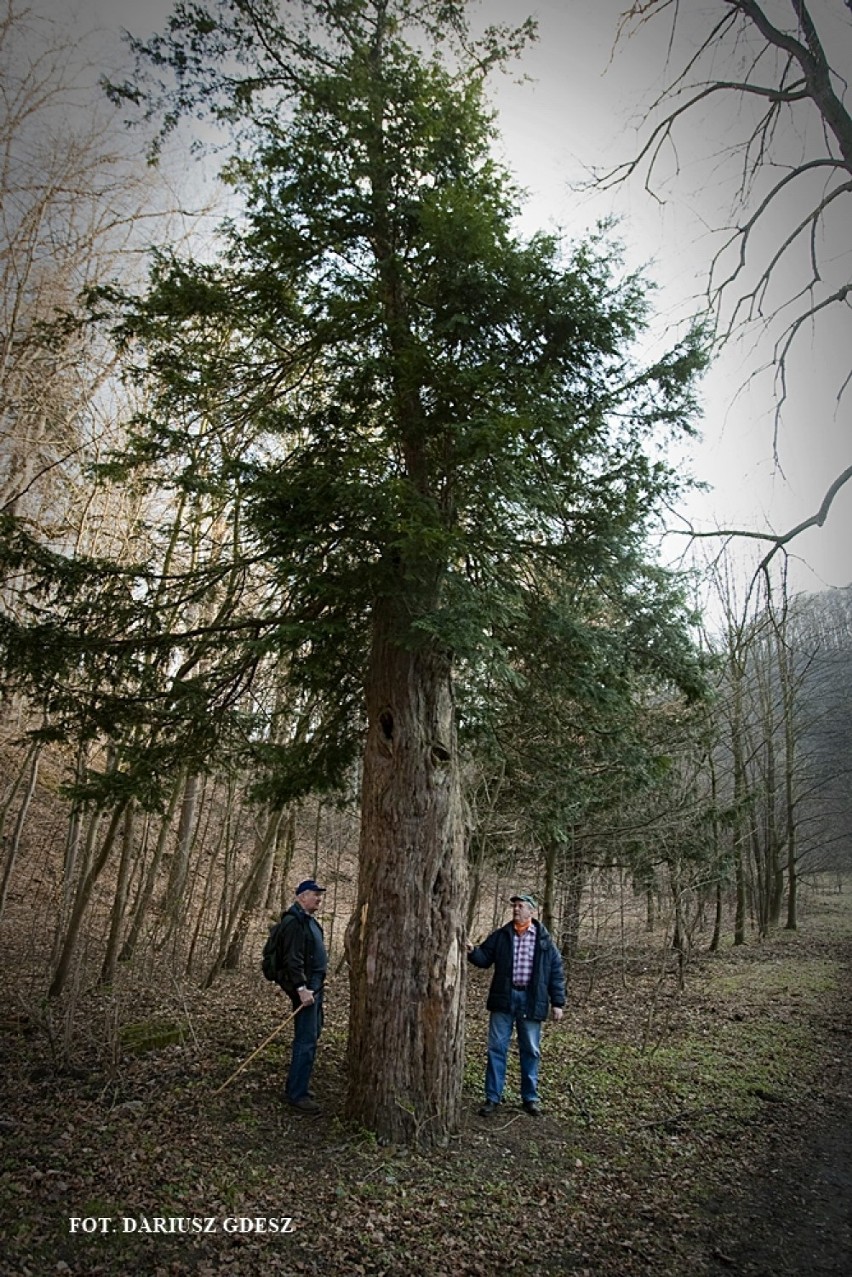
[{"x": 523, "y": 948}]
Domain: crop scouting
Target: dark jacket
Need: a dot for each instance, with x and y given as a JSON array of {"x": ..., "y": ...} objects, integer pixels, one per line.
[
  {"x": 297, "y": 950},
  {"x": 548, "y": 978}
]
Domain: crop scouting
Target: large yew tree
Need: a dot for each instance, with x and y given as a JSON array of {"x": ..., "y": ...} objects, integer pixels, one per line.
[{"x": 447, "y": 412}]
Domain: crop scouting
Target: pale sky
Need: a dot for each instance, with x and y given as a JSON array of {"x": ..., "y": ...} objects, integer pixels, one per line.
[{"x": 579, "y": 109}]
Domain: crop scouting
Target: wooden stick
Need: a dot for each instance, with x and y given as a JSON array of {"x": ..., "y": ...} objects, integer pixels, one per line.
[{"x": 237, "y": 1071}]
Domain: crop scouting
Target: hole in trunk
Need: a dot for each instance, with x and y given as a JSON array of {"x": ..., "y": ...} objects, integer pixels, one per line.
[{"x": 386, "y": 724}]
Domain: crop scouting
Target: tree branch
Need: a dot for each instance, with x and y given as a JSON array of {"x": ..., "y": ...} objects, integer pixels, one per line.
[{"x": 778, "y": 540}]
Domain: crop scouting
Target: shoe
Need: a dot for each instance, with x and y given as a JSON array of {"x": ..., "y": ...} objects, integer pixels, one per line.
[
  {"x": 488, "y": 1108},
  {"x": 305, "y": 1105},
  {"x": 531, "y": 1107}
]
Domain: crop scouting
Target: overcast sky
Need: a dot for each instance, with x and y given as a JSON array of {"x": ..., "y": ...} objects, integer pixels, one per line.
[{"x": 581, "y": 108}]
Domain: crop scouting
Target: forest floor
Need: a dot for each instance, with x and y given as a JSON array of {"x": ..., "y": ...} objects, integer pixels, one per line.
[{"x": 702, "y": 1131}]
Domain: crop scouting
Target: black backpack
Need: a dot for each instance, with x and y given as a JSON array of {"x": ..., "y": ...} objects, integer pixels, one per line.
[{"x": 271, "y": 962}]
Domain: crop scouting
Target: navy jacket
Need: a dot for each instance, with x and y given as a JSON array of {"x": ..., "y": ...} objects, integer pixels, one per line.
[
  {"x": 298, "y": 951},
  {"x": 548, "y": 978}
]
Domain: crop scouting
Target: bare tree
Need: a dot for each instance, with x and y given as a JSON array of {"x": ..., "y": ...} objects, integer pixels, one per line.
[
  {"x": 782, "y": 266},
  {"x": 78, "y": 208},
  {"x": 77, "y": 204}
]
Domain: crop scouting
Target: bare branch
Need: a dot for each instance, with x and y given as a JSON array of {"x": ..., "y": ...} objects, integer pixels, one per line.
[
  {"x": 785, "y": 64},
  {"x": 778, "y": 540},
  {"x": 743, "y": 233}
]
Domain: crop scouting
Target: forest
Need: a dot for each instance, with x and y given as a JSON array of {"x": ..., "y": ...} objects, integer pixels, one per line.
[{"x": 331, "y": 514}]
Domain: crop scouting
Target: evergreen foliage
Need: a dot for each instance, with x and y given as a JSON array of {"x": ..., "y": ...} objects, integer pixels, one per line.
[
  {"x": 436, "y": 408},
  {"x": 387, "y": 443}
]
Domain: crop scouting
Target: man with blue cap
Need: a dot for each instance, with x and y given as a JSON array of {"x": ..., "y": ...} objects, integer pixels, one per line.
[{"x": 304, "y": 962}]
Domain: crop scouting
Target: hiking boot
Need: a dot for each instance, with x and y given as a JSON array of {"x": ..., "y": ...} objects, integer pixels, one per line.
[
  {"x": 305, "y": 1105},
  {"x": 532, "y": 1107},
  {"x": 488, "y": 1108}
]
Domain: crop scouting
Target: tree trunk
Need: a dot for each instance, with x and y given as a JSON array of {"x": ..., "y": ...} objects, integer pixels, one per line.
[
  {"x": 73, "y": 834},
  {"x": 203, "y": 875},
  {"x": 791, "y": 724},
  {"x": 251, "y": 891},
  {"x": 179, "y": 871},
  {"x": 475, "y": 887},
  {"x": 84, "y": 891},
  {"x": 146, "y": 891},
  {"x": 569, "y": 941},
  {"x": 650, "y": 907},
  {"x": 12, "y": 855},
  {"x": 408, "y": 956},
  {"x": 760, "y": 875},
  {"x": 717, "y": 920},
  {"x": 740, "y": 794},
  {"x": 680, "y": 939},
  {"x": 551, "y": 859},
  {"x": 119, "y": 904},
  {"x": 740, "y": 888},
  {"x": 792, "y": 889},
  {"x": 285, "y": 847},
  {"x": 717, "y": 853}
]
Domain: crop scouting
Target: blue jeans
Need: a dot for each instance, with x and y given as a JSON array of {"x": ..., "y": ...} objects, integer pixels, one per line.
[
  {"x": 529, "y": 1049},
  {"x": 307, "y": 1027}
]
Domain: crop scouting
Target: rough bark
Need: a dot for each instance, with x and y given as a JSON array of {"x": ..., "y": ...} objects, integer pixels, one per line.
[{"x": 407, "y": 975}]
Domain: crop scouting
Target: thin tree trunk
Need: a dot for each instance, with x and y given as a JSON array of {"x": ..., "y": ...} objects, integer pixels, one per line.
[
  {"x": 650, "y": 908},
  {"x": 496, "y": 905},
  {"x": 247, "y": 899},
  {"x": 317, "y": 830},
  {"x": 574, "y": 885},
  {"x": 475, "y": 886},
  {"x": 285, "y": 847},
  {"x": 119, "y": 904},
  {"x": 760, "y": 892},
  {"x": 716, "y": 938},
  {"x": 20, "y": 820},
  {"x": 739, "y": 819},
  {"x": 717, "y": 920},
  {"x": 788, "y": 689},
  {"x": 330, "y": 918},
  {"x": 680, "y": 939},
  {"x": 230, "y": 887},
  {"x": 207, "y": 894},
  {"x": 551, "y": 859},
  {"x": 481, "y": 817},
  {"x": 14, "y": 787},
  {"x": 179, "y": 872},
  {"x": 84, "y": 891},
  {"x": 72, "y": 836},
  {"x": 143, "y": 902},
  {"x": 95, "y": 822}
]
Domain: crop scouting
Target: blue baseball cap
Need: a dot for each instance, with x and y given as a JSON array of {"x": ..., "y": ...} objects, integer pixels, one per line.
[{"x": 308, "y": 885}]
